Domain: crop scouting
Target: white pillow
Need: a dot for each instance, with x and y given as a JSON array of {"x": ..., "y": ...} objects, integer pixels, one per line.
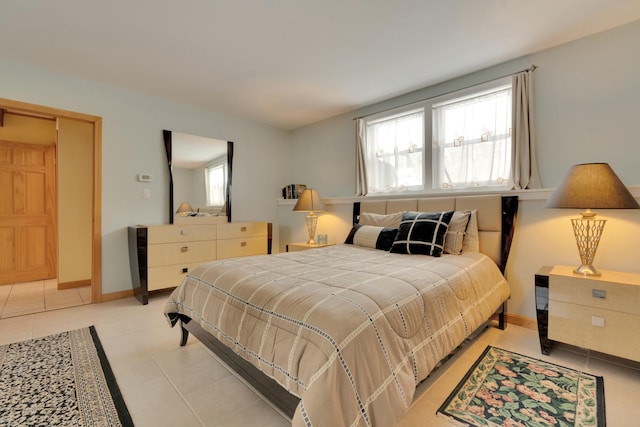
[
  {"x": 454, "y": 239},
  {"x": 471, "y": 242},
  {"x": 378, "y": 220}
]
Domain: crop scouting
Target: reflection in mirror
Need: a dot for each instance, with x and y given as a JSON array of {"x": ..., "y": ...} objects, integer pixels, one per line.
[{"x": 200, "y": 173}]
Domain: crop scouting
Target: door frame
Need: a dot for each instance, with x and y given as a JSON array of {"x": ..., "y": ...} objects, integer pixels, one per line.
[{"x": 96, "y": 232}]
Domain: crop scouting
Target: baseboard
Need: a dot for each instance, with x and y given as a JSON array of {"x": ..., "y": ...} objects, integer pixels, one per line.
[
  {"x": 112, "y": 296},
  {"x": 525, "y": 322},
  {"x": 74, "y": 284}
]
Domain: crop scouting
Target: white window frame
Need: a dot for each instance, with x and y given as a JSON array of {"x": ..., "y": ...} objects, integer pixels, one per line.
[
  {"x": 215, "y": 165},
  {"x": 430, "y": 152}
]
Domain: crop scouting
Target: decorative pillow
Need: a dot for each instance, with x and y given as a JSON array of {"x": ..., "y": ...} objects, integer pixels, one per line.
[
  {"x": 370, "y": 236},
  {"x": 422, "y": 233},
  {"x": 378, "y": 220},
  {"x": 471, "y": 242},
  {"x": 454, "y": 238}
]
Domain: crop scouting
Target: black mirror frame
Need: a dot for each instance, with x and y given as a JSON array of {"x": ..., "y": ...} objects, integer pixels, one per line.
[{"x": 168, "y": 146}]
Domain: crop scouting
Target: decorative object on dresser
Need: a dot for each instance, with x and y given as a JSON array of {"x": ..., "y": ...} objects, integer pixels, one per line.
[
  {"x": 595, "y": 312},
  {"x": 587, "y": 186},
  {"x": 310, "y": 201},
  {"x": 161, "y": 255}
]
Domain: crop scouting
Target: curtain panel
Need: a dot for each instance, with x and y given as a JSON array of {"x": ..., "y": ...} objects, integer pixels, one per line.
[{"x": 525, "y": 164}]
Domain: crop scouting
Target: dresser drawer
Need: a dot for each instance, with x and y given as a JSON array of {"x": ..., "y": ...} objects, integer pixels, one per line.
[
  {"x": 233, "y": 230},
  {"x": 232, "y": 248},
  {"x": 574, "y": 324},
  {"x": 167, "y": 276},
  {"x": 180, "y": 233},
  {"x": 595, "y": 292},
  {"x": 180, "y": 253}
]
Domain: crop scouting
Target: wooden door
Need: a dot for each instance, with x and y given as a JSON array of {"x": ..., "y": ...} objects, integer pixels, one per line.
[{"x": 28, "y": 238}]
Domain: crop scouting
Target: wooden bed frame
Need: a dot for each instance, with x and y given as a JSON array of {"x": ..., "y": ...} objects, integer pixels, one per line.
[{"x": 274, "y": 392}]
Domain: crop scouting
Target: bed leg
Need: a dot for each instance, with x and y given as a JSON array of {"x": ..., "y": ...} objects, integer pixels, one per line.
[
  {"x": 502, "y": 317},
  {"x": 185, "y": 335}
]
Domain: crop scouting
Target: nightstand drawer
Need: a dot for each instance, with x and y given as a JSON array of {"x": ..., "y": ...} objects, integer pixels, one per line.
[
  {"x": 574, "y": 324},
  {"x": 595, "y": 292},
  {"x": 233, "y": 248},
  {"x": 180, "y": 253}
]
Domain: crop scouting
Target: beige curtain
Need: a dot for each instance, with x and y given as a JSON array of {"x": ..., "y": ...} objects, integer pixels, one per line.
[
  {"x": 361, "y": 164},
  {"x": 525, "y": 167}
]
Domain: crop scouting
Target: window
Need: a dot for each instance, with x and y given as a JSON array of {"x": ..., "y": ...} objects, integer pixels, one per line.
[
  {"x": 395, "y": 147},
  {"x": 215, "y": 182},
  {"x": 470, "y": 139}
]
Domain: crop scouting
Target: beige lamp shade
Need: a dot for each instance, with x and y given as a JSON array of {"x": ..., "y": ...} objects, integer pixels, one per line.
[
  {"x": 185, "y": 207},
  {"x": 311, "y": 202},
  {"x": 586, "y": 186},
  {"x": 592, "y": 186}
]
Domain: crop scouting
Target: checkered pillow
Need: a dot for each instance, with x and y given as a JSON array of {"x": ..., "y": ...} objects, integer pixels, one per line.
[{"x": 422, "y": 233}]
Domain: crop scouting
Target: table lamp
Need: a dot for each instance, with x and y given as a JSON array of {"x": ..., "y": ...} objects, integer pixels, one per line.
[
  {"x": 185, "y": 209},
  {"x": 587, "y": 186},
  {"x": 310, "y": 201}
]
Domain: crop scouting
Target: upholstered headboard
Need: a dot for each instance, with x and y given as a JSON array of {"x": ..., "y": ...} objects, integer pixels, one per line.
[{"x": 496, "y": 217}]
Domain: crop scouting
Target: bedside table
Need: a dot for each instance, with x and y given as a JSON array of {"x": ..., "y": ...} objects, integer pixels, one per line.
[
  {"x": 294, "y": 247},
  {"x": 600, "y": 313}
]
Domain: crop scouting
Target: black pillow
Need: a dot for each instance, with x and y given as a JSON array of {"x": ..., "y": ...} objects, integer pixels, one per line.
[
  {"x": 422, "y": 233},
  {"x": 370, "y": 236}
]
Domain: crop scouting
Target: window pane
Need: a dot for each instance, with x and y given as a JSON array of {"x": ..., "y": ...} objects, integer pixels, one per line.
[
  {"x": 395, "y": 148},
  {"x": 215, "y": 182},
  {"x": 472, "y": 141}
]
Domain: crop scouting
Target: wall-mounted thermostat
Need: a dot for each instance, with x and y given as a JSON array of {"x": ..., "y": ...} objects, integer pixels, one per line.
[{"x": 145, "y": 177}]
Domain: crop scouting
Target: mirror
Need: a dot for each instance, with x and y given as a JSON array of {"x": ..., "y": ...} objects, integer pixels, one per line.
[{"x": 190, "y": 159}]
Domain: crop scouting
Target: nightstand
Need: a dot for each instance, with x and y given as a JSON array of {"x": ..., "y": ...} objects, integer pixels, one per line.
[
  {"x": 600, "y": 313},
  {"x": 294, "y": 247}
]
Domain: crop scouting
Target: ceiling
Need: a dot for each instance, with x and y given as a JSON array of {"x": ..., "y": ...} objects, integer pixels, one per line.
[{"x": 289, "y": 63}]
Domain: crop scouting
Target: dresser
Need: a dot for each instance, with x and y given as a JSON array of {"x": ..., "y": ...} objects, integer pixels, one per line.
[
  {"x": 600, "y": 313},
  {"x": 161, "y": 255}
]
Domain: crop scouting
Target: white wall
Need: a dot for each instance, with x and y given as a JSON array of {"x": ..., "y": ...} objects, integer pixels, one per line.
[
  {"x": 132, "y": 144},
  {"x": 587, "y": 106}
]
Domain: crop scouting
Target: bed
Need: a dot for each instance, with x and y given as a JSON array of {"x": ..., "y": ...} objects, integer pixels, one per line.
[{"x": 342, "y": 335}]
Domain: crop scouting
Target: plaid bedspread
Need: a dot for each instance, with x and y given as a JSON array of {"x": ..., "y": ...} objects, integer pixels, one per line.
[{"x": 349, "y": 330}]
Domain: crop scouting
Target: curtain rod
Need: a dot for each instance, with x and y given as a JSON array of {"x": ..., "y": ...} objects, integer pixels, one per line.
[{"x": 532, "y": 68}]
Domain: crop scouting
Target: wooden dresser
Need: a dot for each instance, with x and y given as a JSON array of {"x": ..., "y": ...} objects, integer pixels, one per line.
[{"x": 161, "y": 255}]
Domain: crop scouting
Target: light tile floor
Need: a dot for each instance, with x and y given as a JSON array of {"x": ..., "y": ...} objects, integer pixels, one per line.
[
  {"x": 164, "y": 384},
  {"x": 39, "y": 296}
]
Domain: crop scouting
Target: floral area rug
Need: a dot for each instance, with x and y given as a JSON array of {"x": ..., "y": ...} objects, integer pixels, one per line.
[
  {"x": 62, "y": 379},
  {"x": 509, "y": 389}
]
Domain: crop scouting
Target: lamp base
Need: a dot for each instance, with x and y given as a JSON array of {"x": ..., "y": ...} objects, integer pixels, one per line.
[
  {"x": 312, "y": 221},
  {"x": 586, "y": 270}
]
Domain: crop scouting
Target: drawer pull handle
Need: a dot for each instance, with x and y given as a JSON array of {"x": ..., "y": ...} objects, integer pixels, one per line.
[
  {"x": 598, "y": 293},
  {"x": 185, "y": 269},
  {"x": 243, "y": 228},
  {"x": 184, "y": 248},
  {"x": 243, "y": 244}
]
